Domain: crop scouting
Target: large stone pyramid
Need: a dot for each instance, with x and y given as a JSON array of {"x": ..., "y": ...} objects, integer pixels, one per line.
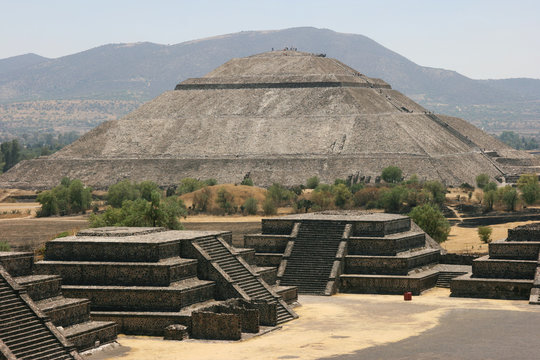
[{"x": 281, "y": 116}]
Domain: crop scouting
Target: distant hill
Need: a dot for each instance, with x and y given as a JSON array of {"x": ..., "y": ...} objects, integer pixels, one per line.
[{"x": 141, "y": 71}]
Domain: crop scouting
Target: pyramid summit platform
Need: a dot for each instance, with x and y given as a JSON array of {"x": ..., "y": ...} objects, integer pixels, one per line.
[{"x": 281, "y": 116}]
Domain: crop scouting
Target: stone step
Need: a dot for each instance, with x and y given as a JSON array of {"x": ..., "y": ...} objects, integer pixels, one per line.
[
  {"x": 522, "y": 250},
  {"x": 41, "y": 287},
  {"x": 388, "y": 284},
  {"x": 65, "y": 311},
  {"x": 150, "y": 323},
  {"x": 143, "y": 298},
  {"x": 84, "y": 335},
  {"x": 160, "y": 273},
  {"x": 389, "y": 245},
  {"x": 445, "y": 278},
  {"x": 390, "y": 265}
]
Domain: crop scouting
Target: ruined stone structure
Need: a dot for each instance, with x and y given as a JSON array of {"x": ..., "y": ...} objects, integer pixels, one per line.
[
  {"x": 146, "y": 279},
  {"x": 281, "y": 116},
  {"x": 511, "y": 270},
  {"x": 36, "y": 321},
  {"x": 369, "y": 253}
]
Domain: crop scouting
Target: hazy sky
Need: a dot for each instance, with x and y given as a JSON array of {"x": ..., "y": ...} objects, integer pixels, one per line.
[{"x": 480, "y": 39}]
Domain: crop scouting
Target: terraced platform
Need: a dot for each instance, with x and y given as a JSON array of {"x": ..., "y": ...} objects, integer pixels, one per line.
[
  {"x": 511, "y": 270},
  {"x": 325, "y": 253}
]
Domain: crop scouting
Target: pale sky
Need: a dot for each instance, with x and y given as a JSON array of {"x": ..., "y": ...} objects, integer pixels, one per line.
[{"x": 478, "y": 38}]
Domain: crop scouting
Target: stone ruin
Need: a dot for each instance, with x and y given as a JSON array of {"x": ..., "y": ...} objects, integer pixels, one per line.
[
  {"x": 324, "y": 254},
  {"x": 281, "y": 116},
  {"x": 511, "y": 270},
  {"x": 137, "y": 281}
]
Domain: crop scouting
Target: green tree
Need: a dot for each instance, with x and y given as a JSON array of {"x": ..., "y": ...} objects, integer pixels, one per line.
[
  {"x": 529, "y": 187},
  {"x": 312, "y": 182},
  {"x": 225, "y": 200},
  {"x": 269, "y": 207},
  {"x": 146, "y": 188},
  {"x": 11, "y": 153},
  {"x": 484, "y": 233},
  {"x": 482, "y": 180},
  {"x": 250, "y": 206},
  {"x": 279, "y": 194},
  {"x": 80, "y": 197},
  {"x": 201, "y": 199},
  {"x": 210, "y": 182},
  {"x": 437, "y": 190},
  {"x": 490, "y": 186},
  {"x": 432, "y": 221},
  {"x": 247, "y": 181},
  {"x": 4, "y": 246},
  {"x": 122, "y": 191},
  {"x": 341, "y": 194},
  {"x": 508, "y": 196},
  {"x": 188, "y": 185},
  {"x": 392, "y": 199},
  {"x": 69, "y": 197},
  {"x": 489, "y": 199},
  {"x": 392, "y": 174}
]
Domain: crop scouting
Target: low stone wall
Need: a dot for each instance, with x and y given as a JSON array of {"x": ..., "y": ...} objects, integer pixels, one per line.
[
  {"x": 380, "y": 228},
  {"x": 514, "y": 250},
  {"x": 386, "y": 285},
  {"x": 215, "y": 326},
  {"x": 503, "y": 268},
  {"x": 465, "y": 286},
  {"x": 267, "y": 243},
  {"x": 267, "y": 259},
  {"x": 277, "y": 226},
  {"x": 70, "y": 313},
  {"x": 387, "y": 265},
  {"x": 17, "y": 263},
  {"x": 39, "y": 289},
  {"x": 524, "y": 233},
  {"x": 248, "y": 313},
  {"x": 143, "y": 323},
  {"x": 384, "y": 246},
  {"x": 457, "y": 259}
]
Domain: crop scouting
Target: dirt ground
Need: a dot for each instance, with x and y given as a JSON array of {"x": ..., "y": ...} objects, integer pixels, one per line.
[{"x": 331, "y": 327}]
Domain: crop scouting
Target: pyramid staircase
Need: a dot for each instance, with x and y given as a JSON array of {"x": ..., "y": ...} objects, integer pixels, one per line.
[
  {"x": 309, "y": 265},
  {"x": 71, "y": 315},
  {"x": 242, "y": 276},
  {"x": 322, "y": 253},
  {"x": 26, "y": 333},
  {"x": 445, "y": 278}
]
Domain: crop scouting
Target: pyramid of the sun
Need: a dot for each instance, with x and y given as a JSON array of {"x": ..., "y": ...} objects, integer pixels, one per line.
[{"x": 282, "y": 116}]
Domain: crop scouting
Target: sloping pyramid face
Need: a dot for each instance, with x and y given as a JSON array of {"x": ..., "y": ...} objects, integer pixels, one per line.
[{"x": 281, "y": 116}]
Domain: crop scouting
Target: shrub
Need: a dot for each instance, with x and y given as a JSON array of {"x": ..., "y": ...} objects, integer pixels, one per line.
[
  {"x": 508, "y": 196},
  {"x": 247, "y": 181},
  {"x": 210, "y": 182},
  {"x": 69, "y": 197},
  {"x": 484, "y": 233},
  {"x": 269, "y": 207},
  {"x": 312, "y": 182},
  {"x": 356, "y": 187},
  {"x": 392, "y": 174},
  {"x": 490, "y": 186},
  {"x": 188, "y": 185},
  {"x": 225, "y": 200},
  {"x": 466, "y": 187},
  {"x": 322, "y": 198},
  {"x": 120, "y": 192},
  {"x": 279, "y": 194},
  {"x": 437, "y": 190},
  {"x": 341, "y": 194},
  {"x": 482, "y": 180},
  {"x": 250, "y": 206},
  {"x": 303, "y": 205},
  {"x": 529, "y": 187},
  {"x": 365, "y": 196},
  {"x": 4, "y": 246},
  {"x": 489, "y": 199},
  {"x": 201, "y": 200},
  {"x": 432, "y": 221},
  {"x": 392, "y": 199}
]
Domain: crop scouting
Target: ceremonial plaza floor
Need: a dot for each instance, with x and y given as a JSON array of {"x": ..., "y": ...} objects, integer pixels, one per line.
[{"x": 349, "y": 326}]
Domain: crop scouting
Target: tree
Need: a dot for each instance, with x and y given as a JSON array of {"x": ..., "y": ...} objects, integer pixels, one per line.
[
  {"x": 322, "y": 197},
  {"x": 188, "y": 185},
  {"x": 484, "y": 232},
  {"x": 250, "y": 206},
  {"x": 201, "y": 199},
  {"x": 437, "y": 190},
  {"x": 11, "y": 152},
  {"x": 529, "y": 187},
  {"x": 312, "y": 182},
  {"x": 122, "y": 191},
  {"x": 279, "y": 194},
  {"x": 269, "y": 207},
  {"x": 392, "y": 199},
  {"x": 510, "y": 199},
  {"x": 432, "y": 221},
  {"x": 70, "y": 197},
  {"x": 489, "y": 199},
  {"x": 225, "y": 200},
  {"x": 392, "y": 174},
  {"x": 247, "y": 181},
  {"x": 80, "y": 197},
  {"x": 146, "y": 188},
  {"x": 342, "y": 195},
  {"x": 482, "y": 180}
]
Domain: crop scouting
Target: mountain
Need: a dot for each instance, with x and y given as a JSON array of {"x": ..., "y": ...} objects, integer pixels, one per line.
[{"x": 141, "y": 71}]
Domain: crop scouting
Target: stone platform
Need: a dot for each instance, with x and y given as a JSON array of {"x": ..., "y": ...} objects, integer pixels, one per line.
[
  {"x": 145, "y": 279},
  {"x": 325, "y": 253},
  {"x": 510, "y": 270}
]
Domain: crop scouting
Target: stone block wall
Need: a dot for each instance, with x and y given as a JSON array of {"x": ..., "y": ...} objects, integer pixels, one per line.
[
  {"x": 215, "y": 326},
  {"x": 277, "y": 226},
  {"x": 267, "y": 243}
]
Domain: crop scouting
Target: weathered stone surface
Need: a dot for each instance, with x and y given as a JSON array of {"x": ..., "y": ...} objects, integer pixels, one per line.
[
  {"x": 175, "y": 332},
  {"x": 283, "y": 116}
]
